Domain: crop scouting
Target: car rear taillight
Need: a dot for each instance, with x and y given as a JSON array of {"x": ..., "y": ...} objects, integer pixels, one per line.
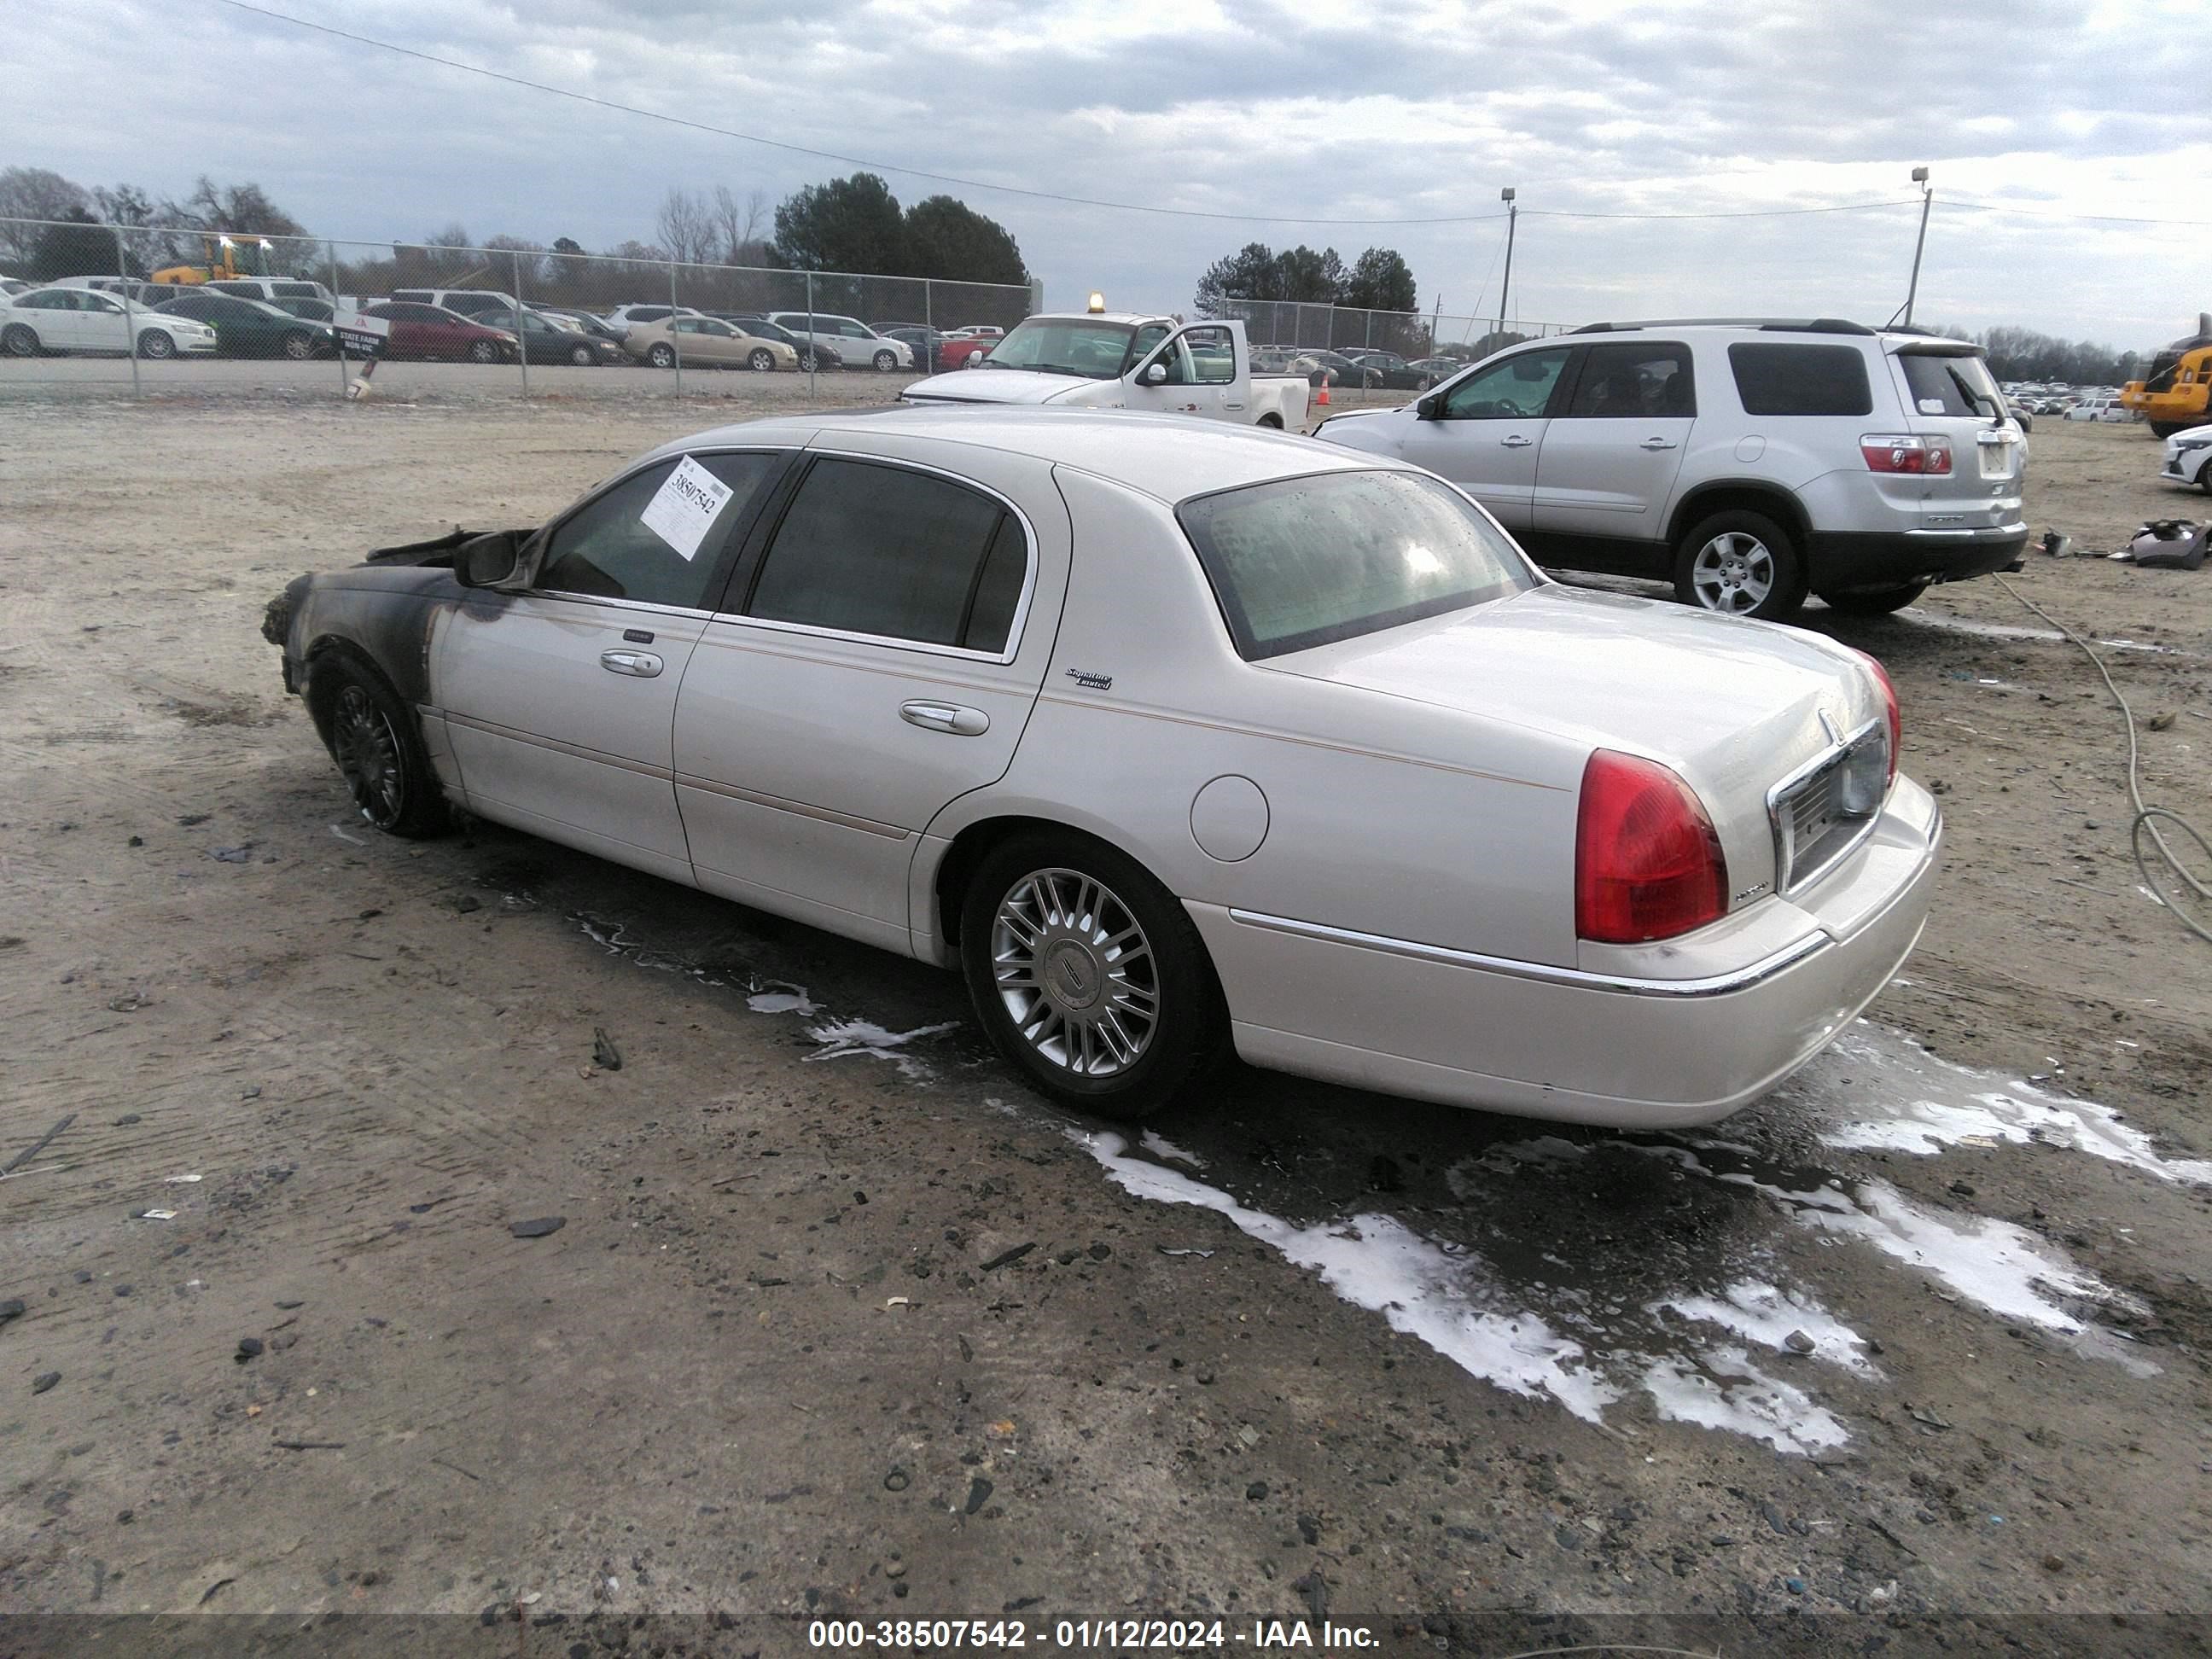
[
  {"x": 1889, "y": 704},
  {"x": 1647, "y": 863},
  {"x": 1925, "y": 452}
]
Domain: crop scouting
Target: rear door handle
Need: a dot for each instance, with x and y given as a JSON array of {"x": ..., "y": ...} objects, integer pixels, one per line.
[
  {"x": 946, "y": 717},
  {"x": 1658, "y": 443},
  {"x": 642, "y": 664},
  {"x": 1516, "y": 441}
]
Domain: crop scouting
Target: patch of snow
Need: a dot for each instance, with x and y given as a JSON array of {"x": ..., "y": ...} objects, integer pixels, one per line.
[
  {"x": 1726, "y": 1391},
  {"x": 1767, "y": 1316},
  {"x": 841, "y": 1038},
  {"x": 1168, "y": 1151}
]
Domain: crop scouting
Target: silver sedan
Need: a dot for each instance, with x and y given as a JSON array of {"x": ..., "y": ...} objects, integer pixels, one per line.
[{"x": 1173, "y": 739}]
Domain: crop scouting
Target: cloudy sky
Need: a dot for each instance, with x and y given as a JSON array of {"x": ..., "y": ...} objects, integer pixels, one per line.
[{"x": 1272, "y": 115}]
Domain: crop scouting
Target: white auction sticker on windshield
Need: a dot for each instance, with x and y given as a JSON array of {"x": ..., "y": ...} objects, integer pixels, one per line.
[{"x": 683, "y": 510}]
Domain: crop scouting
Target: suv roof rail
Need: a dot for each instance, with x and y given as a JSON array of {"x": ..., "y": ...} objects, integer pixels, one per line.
[{"x": 1772, "y": 325}]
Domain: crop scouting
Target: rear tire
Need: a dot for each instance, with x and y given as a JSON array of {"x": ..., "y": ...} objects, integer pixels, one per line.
[
  {"x": 1737, "y": 563},
  {"x": 1875, "y": 601},
  {"x": 2162, "y": 430},
  {"x": 1087, "y": 976},
  {"x": 19, "y": 340},
  {"x": 154, "y": 345},
  {"x": 372, "y": 735}
]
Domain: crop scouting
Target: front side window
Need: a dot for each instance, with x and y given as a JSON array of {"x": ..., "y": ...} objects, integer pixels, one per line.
[
  {"x": 1800, "y": 380},
  {"x": 867, "y": 549},
  {"x": 1647, "y": 382},
  {"x": 607, "y": 550},
  {"x": 1200, "y": 356},
  {"x": 1515, "y": 390},
  {"x": 1306, "y": 562}
]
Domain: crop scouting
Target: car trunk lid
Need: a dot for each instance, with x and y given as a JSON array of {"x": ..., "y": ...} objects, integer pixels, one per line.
[{"x": 1948, "y": 394}]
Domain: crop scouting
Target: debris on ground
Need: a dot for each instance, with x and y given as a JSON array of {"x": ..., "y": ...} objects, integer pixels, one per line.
[
  {"x": 539, "y": 1226},
  {"x": 605, "y": 1054}
]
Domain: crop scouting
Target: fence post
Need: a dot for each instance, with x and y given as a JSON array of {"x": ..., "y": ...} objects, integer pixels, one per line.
[
  {"x": 521, "y": 334},
  {"x": 675, "y": 344},
  {"x": 337, "y": 341},
  {"x": 130, "y": 322},
  {"x": 929, "y": 328},
  {"x": 813, "y": 351}
]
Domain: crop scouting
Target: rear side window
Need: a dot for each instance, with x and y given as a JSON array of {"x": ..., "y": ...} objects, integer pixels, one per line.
[
  {"x": 1800, "y": 380},
  {"x": 1950, "y": 385},
  {"x": 1643, "y": 382},
  {"x": 1306, "y": 562},
  {"x": 607, "y": 550},
  {"x": 866, "y": 549}
]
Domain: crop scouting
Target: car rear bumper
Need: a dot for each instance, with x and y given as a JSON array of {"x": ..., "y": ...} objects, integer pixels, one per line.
[
  {"x": 1842, "y": 560},
  {"x": 1549, "y": 1042}
]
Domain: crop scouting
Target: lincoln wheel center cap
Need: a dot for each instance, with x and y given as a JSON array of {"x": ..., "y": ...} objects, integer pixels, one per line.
[{"x": 1073, "y": 974}]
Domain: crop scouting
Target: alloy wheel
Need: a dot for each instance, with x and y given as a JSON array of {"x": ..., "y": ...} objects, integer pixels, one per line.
[
  {"x": 1076, "y": 973},
  {"x": 368, "y": 753},
  {"x": 1733, "y": 573}
]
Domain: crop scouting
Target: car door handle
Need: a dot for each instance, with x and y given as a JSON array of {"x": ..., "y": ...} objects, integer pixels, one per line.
[
  {"x": 1516, "y": 441},
  {"x": 946, "y": 717},
  {"x": 642, "y": 664},
  {"x": 1658, "y": 443}
]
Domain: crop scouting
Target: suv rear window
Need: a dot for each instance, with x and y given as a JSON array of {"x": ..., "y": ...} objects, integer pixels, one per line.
[
  {"x": 1305, "y": 561},
  {"x": 1800, "y": 380},
  {"x": 1944, "y": 385}
]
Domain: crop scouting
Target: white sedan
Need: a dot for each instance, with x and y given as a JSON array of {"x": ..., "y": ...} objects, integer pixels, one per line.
[
  {"x": 1171, "y": 738},
  {"x": 60, "y": 320},
  {"x": 2188, "y": 457}
]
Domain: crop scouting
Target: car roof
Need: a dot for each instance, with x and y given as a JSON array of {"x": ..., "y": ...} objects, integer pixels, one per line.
[{"x": 1167, "y": 457}]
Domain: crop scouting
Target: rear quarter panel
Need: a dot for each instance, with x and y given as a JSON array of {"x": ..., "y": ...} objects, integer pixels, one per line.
[{"x": 1383, "y": 815}]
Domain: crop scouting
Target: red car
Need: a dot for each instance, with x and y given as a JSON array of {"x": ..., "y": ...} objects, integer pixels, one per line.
[
  {"x": 432, "y": 332},
  {"x": 956, "y": 351}
]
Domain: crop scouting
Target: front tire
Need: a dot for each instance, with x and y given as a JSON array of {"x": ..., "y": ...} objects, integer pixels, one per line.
[
  {"x": 1875, "y": 601},
  {"x": 2162, "y": 430},
  {"x": 583, "y": 356},
  {"x": 483, "y": 351},
  {"x": 297, "y": 346},
  {"x": 373, "y": 737},
  {"x": 1740, "y": 564},
  {"x": 1087, "y": 976},
  {"x": 761, "y": 360},
  {"x": 21, "y": 340},
  {"x": 886, "y": 362},
  {"x": 662, "y": 356},
  {"x": 156, "y": 345}
]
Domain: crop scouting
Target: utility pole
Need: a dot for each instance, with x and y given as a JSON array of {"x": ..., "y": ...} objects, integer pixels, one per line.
[
  {"x": 1512, "y": 217},
  {"x": 1927, "y": 198}
]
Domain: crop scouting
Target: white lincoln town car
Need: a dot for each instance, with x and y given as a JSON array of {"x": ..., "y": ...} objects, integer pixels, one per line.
[{"x": 1171, "y": 739}]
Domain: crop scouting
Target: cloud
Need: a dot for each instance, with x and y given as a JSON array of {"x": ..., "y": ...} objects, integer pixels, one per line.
[{"x": 1291, "y": 111}]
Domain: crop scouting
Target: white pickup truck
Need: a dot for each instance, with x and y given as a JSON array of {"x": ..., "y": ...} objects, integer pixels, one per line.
[{"x": 1119, "y": 359}]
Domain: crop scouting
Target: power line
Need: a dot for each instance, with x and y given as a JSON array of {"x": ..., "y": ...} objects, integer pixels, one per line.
[
  {"x": 2059, "y": 213},
  {"x": 978, "y": 183}
]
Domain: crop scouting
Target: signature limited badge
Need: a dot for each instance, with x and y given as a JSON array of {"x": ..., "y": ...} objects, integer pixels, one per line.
[{"x": 1090, "y": 682}]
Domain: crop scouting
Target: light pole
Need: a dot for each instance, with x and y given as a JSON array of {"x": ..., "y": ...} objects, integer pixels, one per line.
[
  {"x": 1506, "y": 289},
  {"x": 1927, "y": 197}
]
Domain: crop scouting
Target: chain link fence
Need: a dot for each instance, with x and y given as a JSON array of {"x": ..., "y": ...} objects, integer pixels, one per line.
[
  {"x": 168, "y": 307},
  {"x": 1293, "y": 326}
]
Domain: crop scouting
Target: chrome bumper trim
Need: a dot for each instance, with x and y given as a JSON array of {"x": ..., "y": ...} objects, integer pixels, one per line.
[{"x": 1716, "y": 986}]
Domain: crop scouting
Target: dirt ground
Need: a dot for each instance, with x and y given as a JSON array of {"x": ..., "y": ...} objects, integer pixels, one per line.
[{"x": 841, "y": 1323}]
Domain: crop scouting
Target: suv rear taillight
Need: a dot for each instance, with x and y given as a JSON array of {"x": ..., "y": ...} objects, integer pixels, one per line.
[
  {"x": 1889, "y": 705},
  {"x": 1925, "y": 452},
  {"x": 1647, "y": 863}
]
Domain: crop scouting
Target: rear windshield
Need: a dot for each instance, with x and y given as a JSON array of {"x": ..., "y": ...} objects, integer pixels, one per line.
[
  {"x": 1305, "y": 561},
  {"x": 1800, "y": 380},
  {"x": 1950, "y": 385}
]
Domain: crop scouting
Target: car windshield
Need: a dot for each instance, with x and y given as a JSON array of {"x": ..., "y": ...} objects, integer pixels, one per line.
[
  {"x": 1085, "y": 347},
  {"x": 1305, "y": 561}
]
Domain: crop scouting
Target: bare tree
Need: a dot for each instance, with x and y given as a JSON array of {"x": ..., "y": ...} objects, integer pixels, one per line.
[
  {"x": 34, "y": 193},
  {"x": 740, "y": 225},
  {"x": 687, "y": 227},
  {"x": 524, "y": 258}
]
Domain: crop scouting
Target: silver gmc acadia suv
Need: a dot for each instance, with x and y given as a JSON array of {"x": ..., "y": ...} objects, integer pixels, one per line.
[{"x": 1749, "y": 462}]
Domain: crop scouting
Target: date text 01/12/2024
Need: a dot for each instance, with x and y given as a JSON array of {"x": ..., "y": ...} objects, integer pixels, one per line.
[{"x": 1172, "y": 1635}]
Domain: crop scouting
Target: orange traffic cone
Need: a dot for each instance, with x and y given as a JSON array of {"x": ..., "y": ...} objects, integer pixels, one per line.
[{"x": 1321, "y": 401}]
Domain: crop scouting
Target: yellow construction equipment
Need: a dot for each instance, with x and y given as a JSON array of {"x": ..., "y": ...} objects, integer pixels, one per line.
[
  {"x": 227, "y": 256},
  {"x": 2175, "y": 393}
]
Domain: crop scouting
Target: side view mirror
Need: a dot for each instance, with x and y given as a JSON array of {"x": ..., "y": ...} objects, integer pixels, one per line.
[
  {"x": 1154, "y": 374},
  {"x": 487, "y": 561},
  {"x": 1430, "y": 408}
]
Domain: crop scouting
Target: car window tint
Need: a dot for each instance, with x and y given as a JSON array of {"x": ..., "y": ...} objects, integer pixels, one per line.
[
  {"x": 1800, "y": 380},
  {"x": 1634, "y": 381},
  {"x": 1303, "y": 561},
  {"x": 1516, "y": 389},
  {"x": 879, "y": 549},
  {"x": 605, "y": 548},
  {"x": 999, "y": 588},
  {"x": 1950, "y": 385}
]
